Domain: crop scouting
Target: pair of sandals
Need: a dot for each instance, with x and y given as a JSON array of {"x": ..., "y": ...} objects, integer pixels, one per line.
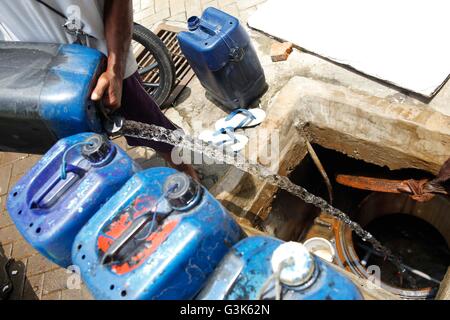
[{"x": 225, "y": 135}]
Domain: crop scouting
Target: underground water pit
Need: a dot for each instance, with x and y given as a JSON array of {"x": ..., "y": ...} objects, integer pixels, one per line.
[
  {"x": 293, "y": 220},
  {"x": 417, "y": 231}
]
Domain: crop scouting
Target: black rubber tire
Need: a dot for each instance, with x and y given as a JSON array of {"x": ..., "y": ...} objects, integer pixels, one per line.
[{"x": 153, "y": 44}]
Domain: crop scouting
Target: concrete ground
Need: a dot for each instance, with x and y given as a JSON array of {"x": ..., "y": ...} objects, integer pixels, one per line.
[{"x": 40, "y": 279}]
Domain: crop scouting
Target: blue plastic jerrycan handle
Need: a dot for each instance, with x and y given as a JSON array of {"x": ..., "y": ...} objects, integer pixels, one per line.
[
  {"x": 56, "y": 189},
  {"x": 236, "y": 53}
]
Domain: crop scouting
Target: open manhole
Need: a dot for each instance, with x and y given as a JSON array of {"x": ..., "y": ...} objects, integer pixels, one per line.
[{"x": 418, "y": 232}]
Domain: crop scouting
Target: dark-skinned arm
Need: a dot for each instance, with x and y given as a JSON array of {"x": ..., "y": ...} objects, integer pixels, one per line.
[{"x": 118, "y": 20}]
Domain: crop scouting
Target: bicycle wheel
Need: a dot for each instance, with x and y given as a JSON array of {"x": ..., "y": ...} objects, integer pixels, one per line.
[{"x": 155, "y": 64}]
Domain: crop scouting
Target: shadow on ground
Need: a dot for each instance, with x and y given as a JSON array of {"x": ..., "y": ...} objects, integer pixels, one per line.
[{"x": 14, "y": 284}]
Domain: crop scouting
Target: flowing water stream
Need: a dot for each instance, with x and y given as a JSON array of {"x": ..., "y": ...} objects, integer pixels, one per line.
[{"x": 178, "y": 139}]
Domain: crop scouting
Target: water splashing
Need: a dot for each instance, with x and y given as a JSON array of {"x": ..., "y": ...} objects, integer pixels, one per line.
[{"x": 178, "y": 139}]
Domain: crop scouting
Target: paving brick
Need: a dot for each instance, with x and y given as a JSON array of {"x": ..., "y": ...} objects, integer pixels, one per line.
[
  {"x": 13, "y": 181},
  {"x": 5, "y": 220},
  {"x": 142, "y": 15},
  {"x": 5, "y": 176},
  {"x": 280, "y": 51},
  {"x": 155, "y": 18},
  {"x": 177, "y": 6},
  {"x": 231, "y": 9},
  {"x": 6, "y": 250},
  {"x": 86, "y": 295},
  {"x": 210, "y": 3},
  {"x": 180, "y": 17},
  {"x": 9, "y": 234},
  {"x": 245, "y": 14},
  {"x": 38, "y": 264},
  {"x": 151, "y": 12},
  {"x": 136, "y": 5},
  {"x": 79, "y": 294},
  {"x": 224, "y": 3},
  {"x": 52, "y": 296},
  {"x": 245, "y": 4},
  {"x": 193, "y": 8},
  {"x": 72, "y": 294},
  {"x": 21, "y": 250},
  {"x": 21, "y": 166},
  {"x": 147, "y": 4},
  {"x": 55, "y": 280},
  {"x": 10, "y": 157},
  {"x": 3, "y": 200},
  {"x": 161, "y": 5}
]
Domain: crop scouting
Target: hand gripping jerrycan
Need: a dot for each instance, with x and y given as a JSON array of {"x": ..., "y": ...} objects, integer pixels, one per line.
[
  {"x": 222, "y": 56},
  {"x": 158, "y": 238},
  {"x": 51, "y": 203},
  {"x": 262, "y": 268},
  {"x": 45, "y": 94}
]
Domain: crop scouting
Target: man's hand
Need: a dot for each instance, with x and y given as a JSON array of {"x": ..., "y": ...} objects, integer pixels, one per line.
[
  {"x": 118, "y": 20},
  {"x": 109, "y": 90}
]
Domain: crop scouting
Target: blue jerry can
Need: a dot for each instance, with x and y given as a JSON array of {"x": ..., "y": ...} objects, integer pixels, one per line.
[
  {"x": 256, "y": 267},
  {"x": 49, "y": 205},
  {"x": 222, "y": 56},
  {"x": 45, "y": 94},
  {"x": 158, "y": 238}
]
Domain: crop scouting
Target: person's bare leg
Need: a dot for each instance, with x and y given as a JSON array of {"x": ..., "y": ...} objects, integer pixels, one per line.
[{"x": 185, "y": 168}]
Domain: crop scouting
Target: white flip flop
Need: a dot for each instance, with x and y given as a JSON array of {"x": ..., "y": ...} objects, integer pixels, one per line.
[
  {"x": 242, "y": 118},
  {"x": 225, "y": 138}
]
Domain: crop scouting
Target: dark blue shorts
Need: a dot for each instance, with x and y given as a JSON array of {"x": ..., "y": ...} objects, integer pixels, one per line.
[{"x": 137, "y": 105}]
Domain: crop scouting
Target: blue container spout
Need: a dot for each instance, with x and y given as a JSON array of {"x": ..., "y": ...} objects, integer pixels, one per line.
[{"x": 193, "y": 23}]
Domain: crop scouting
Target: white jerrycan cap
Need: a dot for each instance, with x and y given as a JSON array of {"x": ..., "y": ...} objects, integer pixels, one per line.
[
  {"x": 294, "y": 262},
  {"x": 321, "y": 247}
]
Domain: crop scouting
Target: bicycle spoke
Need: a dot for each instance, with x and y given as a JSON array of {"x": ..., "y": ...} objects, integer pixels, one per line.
[
  {"x": 155, "y": 63},
  {"x": 151, "y": 85},
  {"x": 147, "y": 69}
]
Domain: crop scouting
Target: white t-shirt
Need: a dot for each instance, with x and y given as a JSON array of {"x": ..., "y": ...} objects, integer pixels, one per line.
[{"x": 28, "y": 20}]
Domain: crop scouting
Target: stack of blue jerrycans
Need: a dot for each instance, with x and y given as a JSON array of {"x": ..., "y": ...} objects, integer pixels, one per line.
[
  {"x": 155, "y": 234},
  {"x": 158, "y": 238},
  {"x": 45, "y": 94},
  {"x": 53, "y": 201},
  {"x": 264, "y": 268},
  {"x": 222, "y": 56},
  {"x": 138, "y": 235}
]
